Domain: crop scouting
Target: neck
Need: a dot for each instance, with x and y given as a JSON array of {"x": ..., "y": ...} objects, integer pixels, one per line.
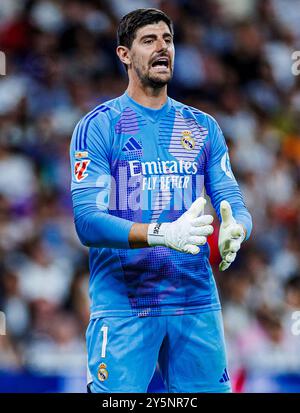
[{"x": 147, "y": 96}]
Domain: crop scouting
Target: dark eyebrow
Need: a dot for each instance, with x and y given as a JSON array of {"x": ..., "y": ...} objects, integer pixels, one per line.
[{"x": 154, "y": 36}]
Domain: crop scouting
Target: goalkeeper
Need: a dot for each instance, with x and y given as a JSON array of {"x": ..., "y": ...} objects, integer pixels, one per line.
[{"x": 140, "y": 164}]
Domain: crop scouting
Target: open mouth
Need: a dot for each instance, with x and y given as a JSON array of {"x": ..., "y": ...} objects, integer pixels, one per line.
[{"x": 161, "y": 62}]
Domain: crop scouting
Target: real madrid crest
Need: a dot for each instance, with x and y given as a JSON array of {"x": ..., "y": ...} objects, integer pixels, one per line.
[
  {"x": 187, "y": 141},
  {"x": 102, "y": 372}
]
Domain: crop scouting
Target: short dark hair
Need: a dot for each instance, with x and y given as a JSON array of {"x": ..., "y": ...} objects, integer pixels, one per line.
[{"x": 136, "y": 19}]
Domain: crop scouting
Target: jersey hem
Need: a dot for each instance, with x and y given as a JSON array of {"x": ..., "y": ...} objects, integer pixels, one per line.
[{"x": 164, "y": 312}]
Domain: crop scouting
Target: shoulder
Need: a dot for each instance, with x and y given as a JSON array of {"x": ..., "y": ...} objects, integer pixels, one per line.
[
  {"x": 106, "y": 111},
  {"x": 201, "y": 117},
  {"x": 96, "y": 122}
]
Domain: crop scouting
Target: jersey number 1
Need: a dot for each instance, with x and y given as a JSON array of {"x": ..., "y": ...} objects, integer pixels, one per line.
[{"x": 104, "y": 330}]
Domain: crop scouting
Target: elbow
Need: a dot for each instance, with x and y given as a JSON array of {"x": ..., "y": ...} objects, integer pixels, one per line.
[
  {"x": 89, "y": 232},
  {"x": 82, "y": 235}
]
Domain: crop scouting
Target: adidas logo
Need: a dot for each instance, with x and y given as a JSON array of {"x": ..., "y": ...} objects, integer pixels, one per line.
[
  {"x": 131, "y": 145},
  {"x": 224, "y": 377}
]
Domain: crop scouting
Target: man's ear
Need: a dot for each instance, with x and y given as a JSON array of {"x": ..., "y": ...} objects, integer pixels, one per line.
[{"x": 124, "y": 55}]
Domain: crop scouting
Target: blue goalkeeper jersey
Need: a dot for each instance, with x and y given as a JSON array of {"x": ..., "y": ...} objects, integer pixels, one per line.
[{"x": 131, "y": 163}]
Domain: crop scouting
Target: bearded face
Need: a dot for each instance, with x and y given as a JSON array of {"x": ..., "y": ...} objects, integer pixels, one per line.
[{"x": 152, "y": 55}]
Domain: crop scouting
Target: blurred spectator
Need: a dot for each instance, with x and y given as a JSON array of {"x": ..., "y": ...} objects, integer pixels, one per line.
[
  {"x": 10, "y": 360},
  {"x": 292, "y": 290},
  {"x": 60, "y": 351},
  {"x": 238, "y": 9},
  {"x": 41, "y": 277},
  {"x": 267, "y": 350},
  {"x": 187, "y": 50},
  {"x": 124, "y": 7},
  {"x": 15, "y": 306},
  {"x": 292, "y": 306},
  {"x": 17, "y": 180}
]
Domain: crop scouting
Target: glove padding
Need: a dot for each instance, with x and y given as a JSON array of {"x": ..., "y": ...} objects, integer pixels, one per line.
[
  {"x": 231, "y": 236},
  {"x": 184, "y": 234}
]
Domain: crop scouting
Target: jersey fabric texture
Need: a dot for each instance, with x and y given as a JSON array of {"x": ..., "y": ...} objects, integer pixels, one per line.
[
  {"x": 190, "y": 350},
  {"x": 132, "y": 164}
]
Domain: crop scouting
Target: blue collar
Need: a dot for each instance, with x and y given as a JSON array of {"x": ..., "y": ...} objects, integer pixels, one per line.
[{"x": 152, "y": 114}]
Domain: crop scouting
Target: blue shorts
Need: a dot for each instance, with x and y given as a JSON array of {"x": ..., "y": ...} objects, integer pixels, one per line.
[{"x": 190, "y": 351}]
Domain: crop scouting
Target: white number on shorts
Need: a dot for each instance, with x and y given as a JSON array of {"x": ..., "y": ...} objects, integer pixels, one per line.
[{"x": 104, "y": 342}]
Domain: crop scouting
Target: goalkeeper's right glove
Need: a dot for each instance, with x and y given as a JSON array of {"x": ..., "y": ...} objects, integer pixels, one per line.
[{"x": 184, "y": 234}]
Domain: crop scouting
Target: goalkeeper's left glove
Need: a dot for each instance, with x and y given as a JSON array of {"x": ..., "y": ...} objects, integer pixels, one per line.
[{"x": 231, "y": 236}]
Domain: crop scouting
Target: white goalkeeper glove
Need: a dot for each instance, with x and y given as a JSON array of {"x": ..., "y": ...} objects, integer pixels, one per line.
[
  {"x": 231, "y": 236},
  {"x": 184, "y": 234}
]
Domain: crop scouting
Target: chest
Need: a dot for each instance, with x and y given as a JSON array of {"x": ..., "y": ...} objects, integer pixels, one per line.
[{"x": 173, "y": 138}]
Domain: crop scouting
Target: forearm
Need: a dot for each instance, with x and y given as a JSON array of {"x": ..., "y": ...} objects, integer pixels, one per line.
[
  {"x": 99, "y": 229},
  {"x": 95, "y": 226}
]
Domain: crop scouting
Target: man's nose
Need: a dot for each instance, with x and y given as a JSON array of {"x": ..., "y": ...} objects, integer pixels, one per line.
[{"x": 161, "y": 45}]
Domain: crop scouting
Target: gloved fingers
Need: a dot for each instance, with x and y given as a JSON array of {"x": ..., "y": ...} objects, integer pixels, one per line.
[
  {"x": 236, "y": 231},
  {"x": 224, "y": 265},
  {"x": 231, "y": 245},
  {"x": 230, "y": 257},
  {"x": 196, "y": 240},
  {"x": 203, "y": 220},
  {"x": 226, "y": 213},
  {"x": 191, "y": 249},
  {"x": 197, "y": 207},
  {"x": 226, "y": 261},
  {"x": 234, "y": 246},
  {"x": 204, "y": 230}
]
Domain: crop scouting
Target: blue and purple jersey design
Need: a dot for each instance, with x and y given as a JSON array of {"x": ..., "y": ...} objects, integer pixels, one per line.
[{"x": 136, "y": 164}]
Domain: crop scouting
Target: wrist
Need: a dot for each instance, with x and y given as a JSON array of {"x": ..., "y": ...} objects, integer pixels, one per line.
[{"x": 156, "y": 234}]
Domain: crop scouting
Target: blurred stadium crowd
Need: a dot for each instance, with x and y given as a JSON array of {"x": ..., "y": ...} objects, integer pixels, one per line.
[{"x": 233, "y": 60}]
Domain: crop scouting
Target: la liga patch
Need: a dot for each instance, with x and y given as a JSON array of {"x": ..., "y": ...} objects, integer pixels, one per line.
[{"x": 80, "y": 169}]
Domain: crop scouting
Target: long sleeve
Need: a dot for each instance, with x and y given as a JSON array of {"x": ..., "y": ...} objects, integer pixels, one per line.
[
  {"x": 91, "y": 182},
  {"x": 220, "y": 182}
]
